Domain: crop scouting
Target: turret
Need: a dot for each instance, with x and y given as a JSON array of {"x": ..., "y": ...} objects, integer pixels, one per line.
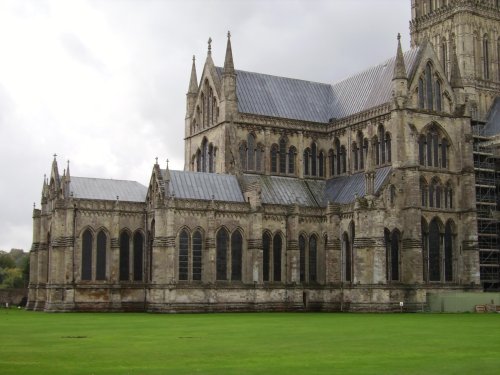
[
  {"x": 399, "y": 79},
  {"x": 192, "y": 91},
  {"x": 229, "y": 100}
]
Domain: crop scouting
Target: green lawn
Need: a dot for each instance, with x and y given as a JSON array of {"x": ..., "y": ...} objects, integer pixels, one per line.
[{"x": 288, "y": 343}]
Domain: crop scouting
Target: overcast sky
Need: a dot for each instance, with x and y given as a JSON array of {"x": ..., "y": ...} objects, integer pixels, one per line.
[{"x": 102, "y": 83}]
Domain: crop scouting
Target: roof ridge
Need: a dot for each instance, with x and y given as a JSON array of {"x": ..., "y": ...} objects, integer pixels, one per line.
[{"x": 105, "y": 179}]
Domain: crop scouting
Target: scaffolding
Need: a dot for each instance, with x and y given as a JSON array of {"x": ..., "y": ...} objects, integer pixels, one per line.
[{"x": 487, "y": 173}]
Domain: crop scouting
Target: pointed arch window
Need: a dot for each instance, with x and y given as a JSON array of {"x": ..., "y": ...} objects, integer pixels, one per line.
[
  {"x": 277, "y": 250},
  {"x": 444, "y": 55},
  {"x": 282, "y": 156},
  {"x": 448, "y": 252},
  {"x": 434, "y": 251},
  {"x": 388, "y": 147},
  {"x": 243, "y": 156},
  {"x": 124, "y": 256},
  {"x": 292, "y": 151},
  {"x": 355, "y": 155},
  {"x": 302, "y": 258},
  {"x": 421, "y": 94},
  {"x": 424, "y": 192},
  {"x": 347, "y": 253},
  {"x": 138, "y": 256},
  {"x": 438, "y": 96},
  {"x": 321, "y": 164},
  {"x": 331, "y": 162},
  {"x": 307, "y": 157},
  {"x": 266, "y": 252},
  {"x": 211, "y": 158},
  {"x": 274, "y": 158},
  {"x": 313, "y": 256},
  {"x": 100, "y": 264},
  {"x": 343, "y": 159},
  {"x": 87, "y": 255},
  {"x": 197, "y": 255},
  {"x": 236, "y": 255},
  {"x": 486, "y": 58},
  {"x": 183, "y": 255},
  {"x": 394, "y": 255},
  {"x": 251, "y": 152},
  {"x": 314, "y": 157},
  {"x": 258, "y": 157},
  {"x": 428, "y": 86},
  {"x": 221, "y": 254}
]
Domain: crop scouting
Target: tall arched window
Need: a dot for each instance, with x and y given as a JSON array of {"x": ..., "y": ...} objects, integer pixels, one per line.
[
  {"x": 236, "y": 255},
  {"x": 302, "y": 258},
  {"x": 87, "y": 255},
  {"x": 307, "y": 157},
  {"x": 124, "y": 256},
  {"x": 138, "y": 256},
  {"x": 282, "y": 156},
  {"x": 266, "y": 253},
  {"x": 388, "y": 147},
  {"x": 331, "y": 162},
  {"x": 313, "y": 256},
  {"x": 434, "y": 251},
  {"x": 347, "y": 252},
  {"x": 251, "y": 152},
  {"x": 204, "y": 155},
  {"x": 343, "y": 159},
  {"x": 321, "y": 164},
  {"x": 428, "y": 86},
  {"x": 197, "y": 255},
  {"x": 424, "y": 191},
  {"x": 338, "y": 154},
  {"x": 314, "y": 159},
  {"x": 258, "y": 157},
  {"x": 291, "y": 160},
  {"x": 486, "y": 58},
  {"x": 222, "y": 245},
  {"x": 183, "y": 255},
  {"x": 421, "y": 94},
  {"x": 444, "y": 55},
  {"x": 211, "y": 158},
  {"x": 355, "y": 155},
  {"x": 199, "y": 160},
  {"x": 100, "y": 264},
  {"x": 274, "y": 158},
  {"x": 448, "y": 252},
  {"x": 243, "y": 156},
  {"x": 433, "y": 148},
  {"x": 438, "y": 96},
  {"x": 277, "y": 249},
  {"x": 395, "y": 253}
]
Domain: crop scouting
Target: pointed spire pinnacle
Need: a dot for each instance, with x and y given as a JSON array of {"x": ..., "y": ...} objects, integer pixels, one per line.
[
  {"x": 455, "y": 76},
  {"x": 209, "y": 46},
  {"x": 399, "y": 66},
  {"x": 228, "y": 62},
  {"x": 193, "y": 82},
  {"x": 67, "y": 169}
]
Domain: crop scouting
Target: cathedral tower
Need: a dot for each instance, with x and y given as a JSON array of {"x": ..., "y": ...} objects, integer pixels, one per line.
[{"x": 472, "y": 28}]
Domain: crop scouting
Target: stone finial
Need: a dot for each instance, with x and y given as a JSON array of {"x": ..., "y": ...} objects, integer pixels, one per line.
[
  {"x": 156, "y": 160},
  {"x": 209, "y": 45},
  {"x": 228, "y": 61},
  {"x": 399, "y": 66},
  {"x": 193, "y": 81},
  {"x": 455, "y": 76}
]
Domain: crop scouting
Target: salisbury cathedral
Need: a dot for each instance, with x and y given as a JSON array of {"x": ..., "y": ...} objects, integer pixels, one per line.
[{"x": 298, "y": 195}]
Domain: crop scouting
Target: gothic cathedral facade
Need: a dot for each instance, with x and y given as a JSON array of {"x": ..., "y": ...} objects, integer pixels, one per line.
[{"x": 295, "y": 195}]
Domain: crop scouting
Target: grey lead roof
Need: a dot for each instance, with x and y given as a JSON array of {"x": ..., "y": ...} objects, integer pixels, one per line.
[
  {"x": 274, "y": 96},
  {"x": 314, "y": 193},
  {"x": 283, "y": 190},
  {"x": 106, "y": 189},
  {"x": 345, "y": 189},
  {"x": 205, "y": 186},
  {"x": 492, "y": 126}
]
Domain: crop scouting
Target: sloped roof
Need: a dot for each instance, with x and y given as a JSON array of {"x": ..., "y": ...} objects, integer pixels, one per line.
[
  {"x": 204, "y": 186},
  {"x": 107, "y": 189},
  {"x": 283, "y": 190},
  {"x": 370, "y": 88},
  {"x": 274, "y": 96},
  {"x": 345, "y": 189},
  {"x": 314, "y": 193},
  {"x": 492, "y": 126}
]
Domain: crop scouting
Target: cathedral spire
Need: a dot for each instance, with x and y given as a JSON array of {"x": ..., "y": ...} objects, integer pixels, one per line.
[
  {"x": 228, "y": 62},
  {"x": 399, "y": 66},
  {"x": 455, "y": 77},
  {"x": 193, "y": 82}
]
